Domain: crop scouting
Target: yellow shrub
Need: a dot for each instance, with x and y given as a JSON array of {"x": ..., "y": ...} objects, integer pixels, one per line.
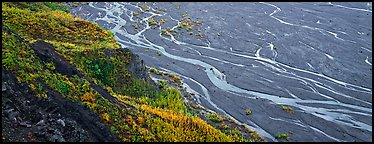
[
  {"x": 32, "y": 86},
  {"x": 88, "y": 97},
  {"x": 140, "y": 120},
  {"x": 105, "y": 117},
  {"x": 179, "y": 127}
]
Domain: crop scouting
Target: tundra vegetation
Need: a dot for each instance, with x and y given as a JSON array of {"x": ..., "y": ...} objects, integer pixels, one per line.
[
  {"x": 138, "y": 113},
  {"x": 287, "y": 109}
]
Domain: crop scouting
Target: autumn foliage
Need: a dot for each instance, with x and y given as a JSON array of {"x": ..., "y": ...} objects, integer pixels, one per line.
[{"x": 141, "y": 113}]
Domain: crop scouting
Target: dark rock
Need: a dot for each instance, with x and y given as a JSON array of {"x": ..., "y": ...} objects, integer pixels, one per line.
[
  {"x": 41, "y": 122},
  {"x": 25, "y": 124},
  {"x": 57, "y": 137},
  {"x": 47, "y": 53},
  {"x": 12, "y": 115},
  {"x": 61, "y": 122},
  {"x": 3, "y": 88}
]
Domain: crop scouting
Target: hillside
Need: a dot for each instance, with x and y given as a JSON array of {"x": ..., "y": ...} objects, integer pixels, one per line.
[{"x": 66, "y": 79}]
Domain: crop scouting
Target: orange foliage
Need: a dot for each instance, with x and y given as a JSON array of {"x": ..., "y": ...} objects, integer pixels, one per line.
[
  {"x": 105, "y": 117},
  {"x": 140, "y": 120},
  {"x": 88, "y": 97}
]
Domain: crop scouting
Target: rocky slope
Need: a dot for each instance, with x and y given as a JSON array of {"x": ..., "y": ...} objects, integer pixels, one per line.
[{"x": 65, "y": 79}]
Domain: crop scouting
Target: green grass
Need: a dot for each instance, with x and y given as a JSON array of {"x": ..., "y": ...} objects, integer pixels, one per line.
[
  {"x": 152, "y": 22},
  {"x": 144, "y": 7},
  {"x": 155, "y": 71},
  {"x": 102, "y": 70},
  {"x": 162, "y": 84},
  {"x": 281, "y": 136},
  {"x": 162, "y": 21},
  {"x": 248, "y": 111},
  {"x": 164, "y": 32},
  {"x": 56, "y": 6},
  {"x": 214, "y": 117},
  {"x": 136, "y": 26},
  {"x": 287, "y": 109}
]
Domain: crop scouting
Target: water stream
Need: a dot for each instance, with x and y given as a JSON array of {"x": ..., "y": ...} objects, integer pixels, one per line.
[{"x": 345, "y": 104}]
